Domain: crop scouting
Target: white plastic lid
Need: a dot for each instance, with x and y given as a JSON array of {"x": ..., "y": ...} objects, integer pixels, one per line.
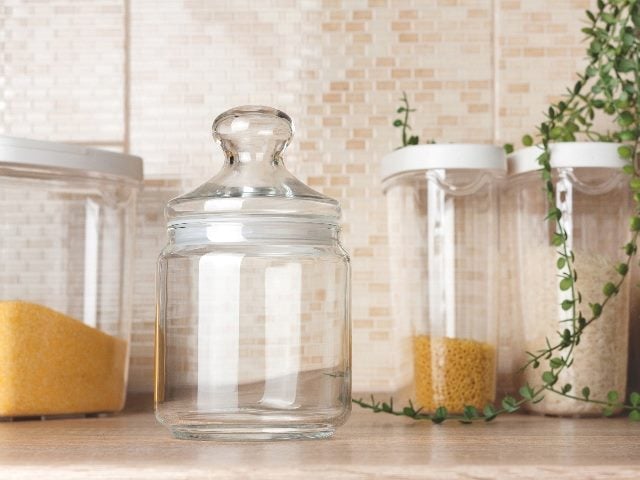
[
  {"x": 568, "y": 155},
  {"x": 444, "y": 156},
  {"x": 38, "y": 153}
]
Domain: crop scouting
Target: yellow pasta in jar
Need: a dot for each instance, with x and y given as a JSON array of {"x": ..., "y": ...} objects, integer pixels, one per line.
[
  {"x": 52, "y": 364},
  {"x": 453, "y": 373}
]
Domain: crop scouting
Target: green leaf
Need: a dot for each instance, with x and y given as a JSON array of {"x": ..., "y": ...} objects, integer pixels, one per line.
[
  {"x": 582, "y": 322},
  {"x": 596, "y": 309},
  {"x": 397, "y": 123},
  {"x": 566, "y": 388},
  {"x": 627, "y": 135},
  {"x": 577, "y": 87},
  {"x": 634, "y": 223},
  {"x": 554, "y": 213},
  {"x": 612, "y": 396},
  {"x": 556, "y": 133},
  {"x": 439, "y": 415},
  {"x": 401, "y": 109},
  {"x": 489, "y": 412},
  {"x": 561, "y": 263},
  {"x": 567, "y": 305},
  {"x": 607, "y": 411},
  {"x": 470, "y": 412},
  {"x": 544, "y": 157},
  {"x": 508, "y": 148},
  {"x": 608, "y": 18},
  {"x": 609, "y": 289},
  {"x": 591, "y": 16},
  {"x": 625, "y": 119},
  {"x": 549, "y": 378},
  {"x": 557, "y": 239},
  {"x": 565, "y": 284},
  {"x": 634, "y": 415},
  {"x": 628, "y": 39},
  {"x": 626, "y": 65},
  {"x": 527, "y": 140},
  {"x": 622, "y": 268},
  {"x": 556, "y": 362},
  {"x": 409, "y": 411},
  {"x": 628, "y": 169},
  {"x": 586, "y": 392},
  {"x": 630, "y": 249},
  {"x": 509, "y": 404},
  {"x": 620, "y": 104},
  {"x": 625, "y": 151},
  {"x": 526, "y": 392},
  {"x": 634, "y": 398}
]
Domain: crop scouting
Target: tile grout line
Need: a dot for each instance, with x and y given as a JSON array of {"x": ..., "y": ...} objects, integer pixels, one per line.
[
  {"x": 495, "y": 55},
  {"x": 126, "y": 107}
]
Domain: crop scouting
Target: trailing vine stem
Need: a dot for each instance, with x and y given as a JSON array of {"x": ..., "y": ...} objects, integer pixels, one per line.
[
  {"x": 612, "y": 83},
  {"x": 405, "y": 110}
]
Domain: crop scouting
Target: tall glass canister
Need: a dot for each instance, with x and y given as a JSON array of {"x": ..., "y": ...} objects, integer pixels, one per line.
[
  {"x": 442, "y": 203},
  {"x": 592, "y": 194},
  {"x": 253, "y": 337},
  {"x": 67, "y": 233}
]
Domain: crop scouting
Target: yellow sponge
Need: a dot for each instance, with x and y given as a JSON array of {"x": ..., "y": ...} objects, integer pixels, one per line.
[{"x": 52, "y": 364}]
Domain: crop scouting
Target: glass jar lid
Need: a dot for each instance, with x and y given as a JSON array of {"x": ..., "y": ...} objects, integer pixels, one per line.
[{"x": 253, "y": 181}]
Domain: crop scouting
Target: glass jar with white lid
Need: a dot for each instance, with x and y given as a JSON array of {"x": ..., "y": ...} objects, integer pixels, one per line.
[
  {"x": 593, "y": 196},
  {"x": 442, "y": 207},
  {"x": 67, "y": 227}
]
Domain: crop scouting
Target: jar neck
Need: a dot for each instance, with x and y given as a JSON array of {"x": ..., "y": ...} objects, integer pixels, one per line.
[{"x": 260, "y": 165}]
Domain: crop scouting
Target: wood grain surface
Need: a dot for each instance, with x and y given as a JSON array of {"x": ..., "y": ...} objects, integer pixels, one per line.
[{"x": 133, "y": 445}]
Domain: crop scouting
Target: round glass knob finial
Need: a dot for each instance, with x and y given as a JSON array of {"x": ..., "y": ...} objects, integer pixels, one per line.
[{"x": 250, "y": 132}]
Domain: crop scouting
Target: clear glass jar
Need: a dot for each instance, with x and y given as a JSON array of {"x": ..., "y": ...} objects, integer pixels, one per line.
[
  {"x": 67, "y": 226},
  {"x": 442, "y": 203},
  {"x": 253, "y": 335},
  {"x": 592, "y": 194}
]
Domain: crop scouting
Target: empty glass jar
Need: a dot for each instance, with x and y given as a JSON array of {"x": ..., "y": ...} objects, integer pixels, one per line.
[
  {"x": 593, "y": 196},
  {"x": 253, "y": 336},
  {"x": 442, "y": 203}
]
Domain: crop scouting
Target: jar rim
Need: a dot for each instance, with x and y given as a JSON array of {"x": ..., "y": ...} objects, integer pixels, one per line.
[
  {"x": 567, "y": 155},
  {"x": 455, "y": 156},
  {"x": 55, "y": 155}
]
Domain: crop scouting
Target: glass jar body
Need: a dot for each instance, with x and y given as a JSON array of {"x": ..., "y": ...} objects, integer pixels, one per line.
[
  {"x": 595, "y": 206},
  {"x": 66, "y": 243},
  {"x": 443, "y": 239},
  {"x": 253, "y": 336}
]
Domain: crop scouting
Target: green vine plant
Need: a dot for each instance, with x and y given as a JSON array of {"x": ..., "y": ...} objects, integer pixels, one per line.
[
  {"x": 403, "y": 123},
  {"x": 609, "y": 85}
]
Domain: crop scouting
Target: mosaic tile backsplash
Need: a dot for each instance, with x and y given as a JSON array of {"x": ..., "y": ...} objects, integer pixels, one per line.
[{"x": 148, "y": 77}]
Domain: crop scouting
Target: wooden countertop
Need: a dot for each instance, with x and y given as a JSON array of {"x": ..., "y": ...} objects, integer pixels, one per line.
[{"x": 133, "y": 446}]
